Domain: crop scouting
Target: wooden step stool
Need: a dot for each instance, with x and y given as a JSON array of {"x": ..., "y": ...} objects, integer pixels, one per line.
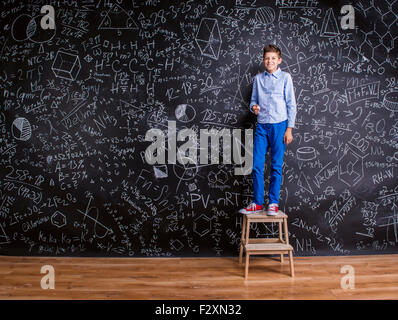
[{"x": 265, "y": 245}]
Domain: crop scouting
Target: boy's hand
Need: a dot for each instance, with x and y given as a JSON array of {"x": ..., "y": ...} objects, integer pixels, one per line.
[
  {"x": 288, "y": 137},
  {"x": 256, "y": 109}
]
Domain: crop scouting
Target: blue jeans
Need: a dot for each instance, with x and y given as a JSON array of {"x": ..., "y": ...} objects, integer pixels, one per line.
[{"x": 268, "y": 135}]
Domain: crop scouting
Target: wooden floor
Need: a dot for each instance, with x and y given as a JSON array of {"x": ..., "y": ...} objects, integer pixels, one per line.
[{"x": 376, "y": 277}]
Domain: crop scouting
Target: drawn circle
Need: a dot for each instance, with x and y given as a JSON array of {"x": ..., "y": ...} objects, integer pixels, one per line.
[
  {"x": 19, "y": 27},
  {"x": 390, "y": 101},
  {"x": 21, "y": 129},
  {"x": 185, "y": 171},
  {"x": 306, "y": 153},
  {"x": 36, "y": 34},
  {"x": 185, "y": 113},
  {"x": 265, "y": 15}
]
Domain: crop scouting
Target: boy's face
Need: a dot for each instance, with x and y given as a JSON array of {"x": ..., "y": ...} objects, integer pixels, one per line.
[{"x": 272, "y": 61}]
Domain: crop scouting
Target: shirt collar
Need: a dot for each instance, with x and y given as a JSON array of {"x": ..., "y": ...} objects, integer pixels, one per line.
[{"x": 276, "y": 73}]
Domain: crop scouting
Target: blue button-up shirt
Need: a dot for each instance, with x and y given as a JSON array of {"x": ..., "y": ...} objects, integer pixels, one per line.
[{"x": 274, "y": 93}]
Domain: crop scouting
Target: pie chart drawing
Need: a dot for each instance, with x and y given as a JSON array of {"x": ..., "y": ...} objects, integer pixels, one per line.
[
  {"x": 185, "y": 113},
  {"x": 21, "y": 129}
]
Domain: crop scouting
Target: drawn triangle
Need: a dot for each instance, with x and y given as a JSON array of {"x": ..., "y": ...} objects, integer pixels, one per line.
[
  {"x": 303, "y": 183},
  {"x": 329, "y": 25},
  {"x": 159, "y": 173},
  {"x": 3, "y": 237},
  {"x": 117, "y": 18}
]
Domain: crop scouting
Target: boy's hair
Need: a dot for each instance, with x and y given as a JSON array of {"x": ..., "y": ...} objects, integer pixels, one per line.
[{"x": 272, "y": 48}]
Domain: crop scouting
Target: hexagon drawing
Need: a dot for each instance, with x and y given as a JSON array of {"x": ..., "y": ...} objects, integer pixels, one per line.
[
  {"x": 350, "y": 167},
  {"x": 58, "y": 219},
  {"x": 202, "y": 225}
]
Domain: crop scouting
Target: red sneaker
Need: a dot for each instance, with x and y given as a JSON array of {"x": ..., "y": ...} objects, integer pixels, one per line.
[
  {"x": 272, "y": 209},
  {"x": 251, "y": 208}
]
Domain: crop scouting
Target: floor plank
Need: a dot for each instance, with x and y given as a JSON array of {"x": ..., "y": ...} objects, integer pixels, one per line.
[{"x": 376, "y": 277}]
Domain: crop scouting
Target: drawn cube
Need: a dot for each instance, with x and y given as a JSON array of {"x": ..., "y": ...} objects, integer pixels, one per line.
[{"x": 66, "y": 65}]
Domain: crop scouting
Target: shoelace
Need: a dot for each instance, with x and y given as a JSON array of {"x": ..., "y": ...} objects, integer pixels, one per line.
[{"x": 251, "y": 206}]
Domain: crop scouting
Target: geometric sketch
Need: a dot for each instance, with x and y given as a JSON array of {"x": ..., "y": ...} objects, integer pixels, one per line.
[
  {"x": 305, "y": 154},
  {"x": 390, "y": 101},
  {"x": 392, "y": 221},
  {"x": 352, "y": 55},
  {"x": 21, "y": 129},
  {"x": 303, "y": 183},
  {"x": 202, "y": 225},
  {"x": 265, "y": 15},
  {"x": 104, "y": 230},
  {"x": 219, "y": 176},
  {"x": 350, "y": 167},
  {"x": 208, "y": 38},
  {"x": 3, "y": 237},
  {"x": 329, "y": 25},
  {"x": 185, "y": 113},
  {"x": 19, "y": 27},
  {"x": 24, "y": 27},
  {"x": 160, "y": 171},
  {"x": 176, "y": 244},
  {"x": 117, "y": 18},
  {"x": 58, "y": 219},
  {"x": 66, "y": 65}
]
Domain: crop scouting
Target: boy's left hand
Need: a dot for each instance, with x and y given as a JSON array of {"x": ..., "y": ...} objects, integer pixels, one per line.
[{"x": 288, "y": 137}]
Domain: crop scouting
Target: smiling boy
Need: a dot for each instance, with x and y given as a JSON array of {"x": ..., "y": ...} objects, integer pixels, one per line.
[{"x": 274, "y": 104}]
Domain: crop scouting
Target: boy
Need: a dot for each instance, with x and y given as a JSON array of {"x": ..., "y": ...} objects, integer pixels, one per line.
[{"x": 274, "y": 104}]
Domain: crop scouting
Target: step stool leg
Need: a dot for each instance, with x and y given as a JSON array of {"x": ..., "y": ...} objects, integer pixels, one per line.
[
  {"x": 286, "y": 232},
  {"x": 291, "y": 263},
  {"x": 280, "y": 237},
  {"x": 242, "y": 240},
  {"x": 247, "y": 265}
]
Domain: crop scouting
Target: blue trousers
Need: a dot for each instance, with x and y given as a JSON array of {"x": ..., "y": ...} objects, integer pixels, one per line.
[{"x": 268, "y": 135}]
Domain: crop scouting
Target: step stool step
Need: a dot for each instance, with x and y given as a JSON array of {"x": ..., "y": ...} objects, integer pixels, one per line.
[{"x": 268, "y": 247}]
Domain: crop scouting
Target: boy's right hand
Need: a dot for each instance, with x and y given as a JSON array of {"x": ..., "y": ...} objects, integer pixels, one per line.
[{"x": 256, "y": 109}]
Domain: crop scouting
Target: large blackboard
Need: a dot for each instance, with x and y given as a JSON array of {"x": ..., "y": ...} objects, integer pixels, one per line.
[{"x": 77, "y": 102}]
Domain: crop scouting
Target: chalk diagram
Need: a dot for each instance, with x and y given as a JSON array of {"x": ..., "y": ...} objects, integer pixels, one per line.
[
  {"x": 58, "y": 219},
  {"x": 217, "y": 177},
  {"x": 305, "y": 154},
  {"x": 378, "y": 38},
  {"x": 160, "y": 171},
  {"x": 264, "y": 15},
  {"x": 295, "y": 68},
  {"x": 66, "y": 65},
  {"x": 116, "y": 18},
  {"x": 176, "y": 244},
  {"x": 103, "y": 229},
  {"x": 26, "y": 27},
  {"x": 202, "y": 225},
  {"x": 390, "y": 101},
  {"x": 208, "y": 38},
  {"x": 187, "y": 171},
  {"x": 303, "y": 183},
  {"x": 350, "y": 166},
  {"x": 3, "y": 237},
  {"x": 329, "y": 25},
  {"x": 392, "y": 222},
  {"x": 185, "y": 113},
  {"x": 21, "y": 129}
]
